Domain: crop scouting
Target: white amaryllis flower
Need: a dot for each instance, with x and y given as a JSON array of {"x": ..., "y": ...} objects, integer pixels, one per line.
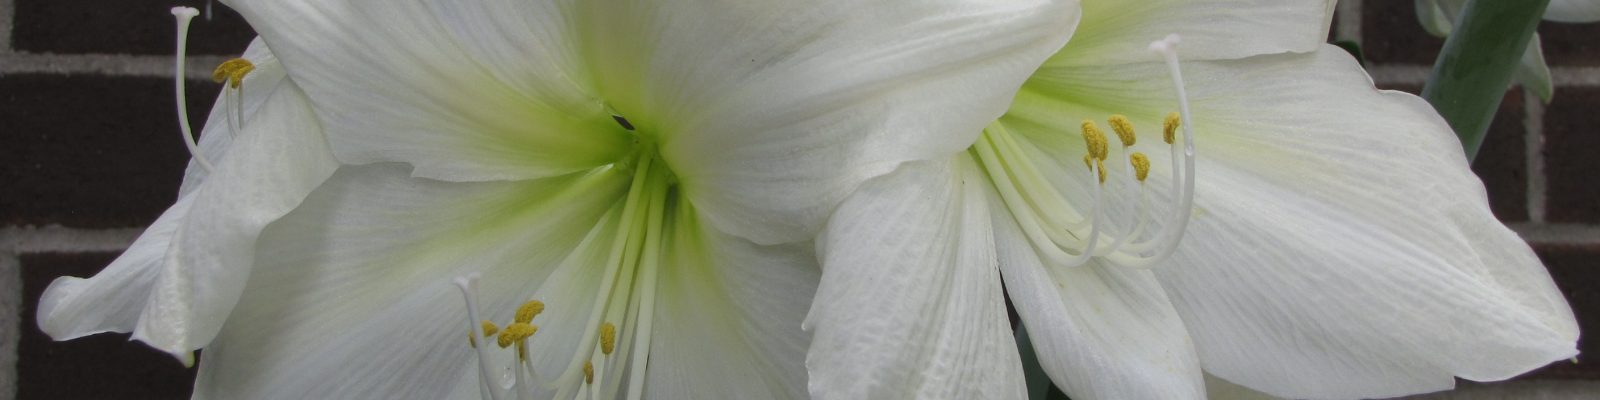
[
  {"x": 259, "y": 156},
  {"x": 1296, "y": 231},
  {"x": 1439, "y": 17},
  {"x": 627, "y": 188}
]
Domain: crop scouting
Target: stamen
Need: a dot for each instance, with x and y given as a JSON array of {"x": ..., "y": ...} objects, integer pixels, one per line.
[
  {"x": 488, "y": 330},
  {"x": 493, "y": 389},
  {"x": 232, "y": 72},
  {"x": 1123, "y": 128},
  {"x": 588, "y": 372},
  {"x": 528, "y": 310},
  {"x": 608, "y": 338},
  {"x": 1094, "y": 140},
  {"x": 1141, "y": 165},
  {"x": 183, "y": 15},
  {"x": 1169, "y": 127},
  {"x": 1165, "y": 242},
  {"x": 516, "y": 332}
]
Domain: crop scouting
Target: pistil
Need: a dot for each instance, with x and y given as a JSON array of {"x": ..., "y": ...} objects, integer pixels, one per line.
[{"x": 183, "y": 15}]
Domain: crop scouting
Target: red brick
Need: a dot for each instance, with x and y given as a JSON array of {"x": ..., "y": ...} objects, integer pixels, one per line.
[
  {"x": 1391, "y": 35},
  {"x": 88, "y": 151},
  {"x": 1570, "y": 44},
  {"x": 123, "y": 27},
  {"x": 1572, "y": 136}
]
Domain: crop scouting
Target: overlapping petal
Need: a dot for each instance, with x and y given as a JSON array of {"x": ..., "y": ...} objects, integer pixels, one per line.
[
  {"x": 352, "y": 297},
  {"x": 1115, "y": 32},
  {"x": 910, "y": 303},
  {"x": 192, "y": 263},
  {"x": 769, "y": 112},
  {"x": 1099, "y": 332},
  {"x": 1339, "y": 245},
  {"x": 1398, "y": 267},
  {"x": 727, "y": 317},
  {"x": 352, "y": 294}
]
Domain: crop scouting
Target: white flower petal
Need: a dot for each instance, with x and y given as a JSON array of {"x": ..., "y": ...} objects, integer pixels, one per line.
[
  {"x": 216, "y": 138},
  {"x": 478, "y": 90},
  {"x": 277, "y": 159},
  {"x": 352, "y": 294},
  {"x": 112, "y": 300},
  {"x": 728, "y": 315},
  {"x": 770, "y": 113},
  {"x": 1099, "y": 332},
  {"x": 263, "y": 171},
  {"x": 1340, "y": 246},
  {"x": 910, "y": 303},
  {"x": 1117, "y": 32},
  {"x": 771, "y": 130}
]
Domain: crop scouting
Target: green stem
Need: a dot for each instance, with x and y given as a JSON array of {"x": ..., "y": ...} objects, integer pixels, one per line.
[{"x": 1475, "y": 67}]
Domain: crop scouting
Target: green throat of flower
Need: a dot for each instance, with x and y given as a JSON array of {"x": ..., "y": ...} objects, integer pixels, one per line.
[
  {"x": 617, "y": 331},
  {"x": 1065, "y": 236}
]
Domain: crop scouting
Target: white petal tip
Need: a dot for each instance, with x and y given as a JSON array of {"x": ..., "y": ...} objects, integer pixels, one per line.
[{"x": 185, "y": 12}]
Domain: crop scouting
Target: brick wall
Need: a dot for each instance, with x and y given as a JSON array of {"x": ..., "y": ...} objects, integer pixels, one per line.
[{"x": 91, "y": 154}]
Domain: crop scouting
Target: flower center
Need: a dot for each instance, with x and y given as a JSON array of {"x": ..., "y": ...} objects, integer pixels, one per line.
[
  {"x": 616, "y": 335},
  {"x": 1067, "y": 237}
]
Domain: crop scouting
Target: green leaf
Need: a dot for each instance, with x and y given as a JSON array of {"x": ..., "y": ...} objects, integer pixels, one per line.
[
  {"x": 1038, "y": 382},
  {"x": 1477, "y": 62}
]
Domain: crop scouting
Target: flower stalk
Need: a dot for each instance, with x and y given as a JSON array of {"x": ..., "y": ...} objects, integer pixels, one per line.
[{"x": 1477, "y": 62}]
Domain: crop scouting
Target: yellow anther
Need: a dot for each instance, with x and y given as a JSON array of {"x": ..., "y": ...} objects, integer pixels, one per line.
[
  {"x": 1088, "y": 161},
  {"x": 608, "y": 338},
  {"x": 1123, "y": 128},
  {"x": 1141, "y": 165},
  {"x": 1094, "y": 139},
  {"x": 1169, "y": 128},
  {"x": 516, "y": 332},
  {"x": 232, "y": 71},
  {"x": 1101, "y": 164},
  {"x": 529, "y": 310},
  {"x": 488, "y": 330},
  {"x": 588, "y": 372}
]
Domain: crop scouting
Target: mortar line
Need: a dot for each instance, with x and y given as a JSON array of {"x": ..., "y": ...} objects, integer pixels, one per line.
[
  {"x": 8, "y": 12},
  {"x": 1403, "y": 74},
  {"x": 58, "y": 239},
  {"x": 1574, "y": 76},
  {"x": 1398, "y": 74},
  {"x": 1557, "y": 234},
  {"x": 1533, "y": 155},
  {"x": 155, "y": 66},
  {"x": 10, "y": 322}
]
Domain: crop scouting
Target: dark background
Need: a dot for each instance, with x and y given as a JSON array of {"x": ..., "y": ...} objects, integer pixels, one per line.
[{"x": 89, "y": 143}]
